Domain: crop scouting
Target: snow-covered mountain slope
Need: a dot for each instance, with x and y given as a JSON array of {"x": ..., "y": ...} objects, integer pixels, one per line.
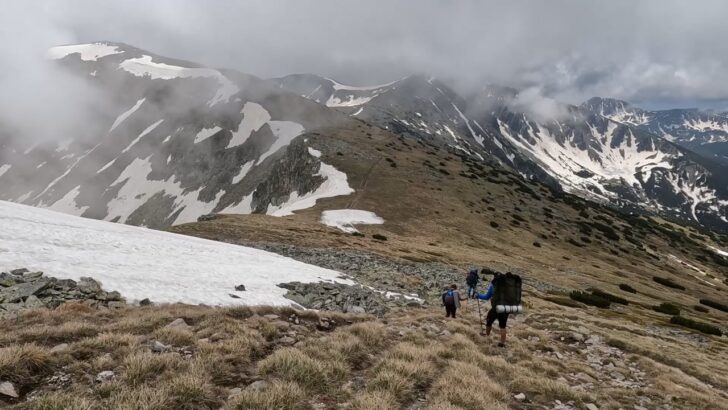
[
  {"x": 143, "y": 263},
  {"x": 700, "y": 131},
  {"x": 417, "y": 106},
  {"x": 605, "y": 150},
  {"x": 594, "y": 156},
  {"x": 176, "y": 141}
]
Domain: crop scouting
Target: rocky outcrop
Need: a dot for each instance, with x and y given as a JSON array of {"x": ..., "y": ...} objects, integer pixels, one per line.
[
  {"x": 22, "y": 289},
  {"x": 344, "y": 298}
]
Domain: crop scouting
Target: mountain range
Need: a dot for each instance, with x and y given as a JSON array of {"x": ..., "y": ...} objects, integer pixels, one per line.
[{"x": 178, "y": 141}]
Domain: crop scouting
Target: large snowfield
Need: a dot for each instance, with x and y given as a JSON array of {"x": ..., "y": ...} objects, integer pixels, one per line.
[{"x": 142, "y": 263}]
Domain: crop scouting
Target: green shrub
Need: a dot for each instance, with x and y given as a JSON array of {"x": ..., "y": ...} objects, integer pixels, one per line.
[
  {"x": 668, "y": 282},
  {"x": 610, "y": 297},
  {"x": 701, "y": 309},
  {"x": 714, "y": 304},
  {"x": 667, "y": 308},
  {"x": 590, "y": 299},
  {"x": 694, "y": 324},
  {"x": 625, "y": 287}
]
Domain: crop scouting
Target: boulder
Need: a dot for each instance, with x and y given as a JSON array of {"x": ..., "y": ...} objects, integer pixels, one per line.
[
  {"x": 145, "y": 302},
  {"x": 89, "y": 286},
  {"x": 19, "y": 272},
  {"x": 30, "y": 276},
  {"x": 357, "y": 309},
  {"x": 240, "y": 288},
  {"x": 7, "y": 389},
  {"x": 21, "y": 291},
  {"x": 33, "y": 302}
]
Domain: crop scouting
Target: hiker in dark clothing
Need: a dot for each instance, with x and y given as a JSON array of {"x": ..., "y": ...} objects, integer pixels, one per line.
[
  {"x": 504, "y": 292},
  {"x": 472, "y": 281},
  {"x": 451, "y": 300}
]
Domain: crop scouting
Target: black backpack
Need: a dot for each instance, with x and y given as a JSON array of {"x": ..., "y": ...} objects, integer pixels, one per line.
[
  {"x": 472, "y": 278},
  {"x": 506, "y": 290}
]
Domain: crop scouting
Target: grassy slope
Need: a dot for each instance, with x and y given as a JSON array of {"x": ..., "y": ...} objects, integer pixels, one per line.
[{"x": 412, "y": 359}]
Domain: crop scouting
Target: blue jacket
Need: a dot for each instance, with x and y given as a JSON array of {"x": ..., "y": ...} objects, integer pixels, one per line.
[{"x": 487, "y": 295}]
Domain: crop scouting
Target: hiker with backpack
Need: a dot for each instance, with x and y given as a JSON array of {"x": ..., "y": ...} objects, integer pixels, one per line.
[
  {"x": 504, "y": 294},
  {"x": 472, "y": 280},
  {"x": 451, "y": 300}
]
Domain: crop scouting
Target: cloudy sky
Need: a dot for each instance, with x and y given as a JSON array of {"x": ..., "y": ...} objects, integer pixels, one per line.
[{"x": 657, "y": 53}]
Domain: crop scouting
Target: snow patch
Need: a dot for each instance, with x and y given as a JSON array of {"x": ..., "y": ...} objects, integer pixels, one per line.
[
  {"x": 145, "y": 132},
  {"x": 206, "y": 133},
  {"x": 145, "y": 67},
  {"x": 126, "y": 114},
  {"x": 285, "y": 132},
  {"x": 243, "y": 172},
  {"x": 68, "y": 204},
  {"x": 314, "y": 152},
  {"x": 335, "y": 184},
  {"x": 345, "y": 219},
  {"x": 142, "y": 263},
  {"x": 88, "y": 52},
  {"x": 4, "y": 169},
  {"x": 254, "y": 117}
]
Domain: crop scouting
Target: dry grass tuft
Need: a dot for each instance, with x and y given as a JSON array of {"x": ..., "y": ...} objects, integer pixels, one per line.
[
  {"x": 455, "y": 387},
  {"x": 393, "y": 383},
  {"x": 175, "y": 336},
  {"x": 374, "y": 400},
  {"x": 61, "y": 401},
  {"x": 191, "y": 391},
  {"x": 142, "y": 367},
  {"x": 278, "y": 396},
  {"x": 24, "y": 364},
  {"x": 292, "y": 364},
  {"x": 373, "y": 335}
]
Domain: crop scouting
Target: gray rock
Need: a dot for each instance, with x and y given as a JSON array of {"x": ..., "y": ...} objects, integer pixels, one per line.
[
  {"x": 105, "y": 376},
  {"x": 234, "y": 296},
  {"x": 357, "y": 309},
  {"x": 287, "y": 340},
  {"x": 32, "y": 302},
  {"x": 21, "y": 291},
  {"x": 116, "y": 305},
  {"x": 89, "y": 286},
  {"x": 178, "y": 323},
  {"x": 60, "y": 348},
  {"x": 29, "y": 276},
  {"x": 235, "y": 392},
  {"x": 520, "y": 397},
  {"x": 7, "y": 389},
  {"x": 159, "y": 347},
  {"x": 19, "y": 272},
  {"x": 591, "y": 406},
  {"x": 113, "y": 296},
  {"x": 258, "y": 385},
  {"x": 240, "y": 288},
  {"x": 145, "y": 302},
  {"x": 271, "y": 317}
]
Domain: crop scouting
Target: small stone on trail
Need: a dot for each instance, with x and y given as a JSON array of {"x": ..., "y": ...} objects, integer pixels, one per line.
[
  {"x": 7, "y": 389},
  {"x": 159, "y": 347},
  {"x": 257, "y": 386},
  {"x": 234, "y": 392},
  {"x": 59, "y": 348},
  {"x": 178, "y": 323},
  {"x": 520, "y": 397},
  {"x": 105, "y": 376},
  {"x": 591, "y": 406},
  {"x": 240, "y": 288}
]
